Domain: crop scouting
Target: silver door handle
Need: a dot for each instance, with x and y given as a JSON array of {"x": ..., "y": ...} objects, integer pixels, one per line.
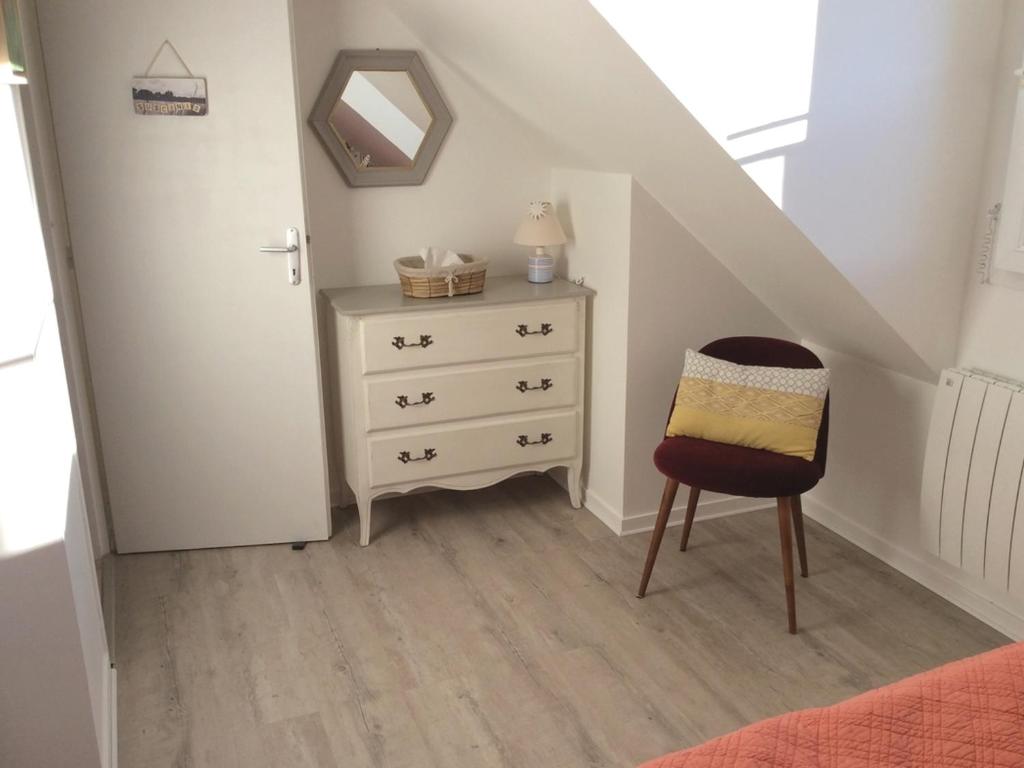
[{"x": 291, "y": 247}]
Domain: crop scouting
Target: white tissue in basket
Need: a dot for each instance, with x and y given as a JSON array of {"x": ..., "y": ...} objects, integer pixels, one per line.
[
  {"x": 451, "y": 258},
  {"x": 436, "y": 258}
]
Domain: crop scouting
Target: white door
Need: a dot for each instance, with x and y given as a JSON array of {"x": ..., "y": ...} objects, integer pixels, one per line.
[{"x": 203, "y": 355}]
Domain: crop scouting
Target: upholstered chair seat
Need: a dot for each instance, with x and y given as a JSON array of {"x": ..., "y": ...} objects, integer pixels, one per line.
[{"x": 734, "y": 469}]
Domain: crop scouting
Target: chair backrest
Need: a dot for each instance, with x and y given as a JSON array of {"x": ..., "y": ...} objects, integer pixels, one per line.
[{"x": 760, "y": 350}]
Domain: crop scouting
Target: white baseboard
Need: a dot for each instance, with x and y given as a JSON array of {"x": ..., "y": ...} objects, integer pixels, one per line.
[
  {"x": 603, "y": 511},
  {"x": 108, "y": 593},
  {"x": 944, "y": 580},
  {"x": 112, "y": 715},
  {"x": 706, "y": 510},
  {"x": 108, "y": 605}
]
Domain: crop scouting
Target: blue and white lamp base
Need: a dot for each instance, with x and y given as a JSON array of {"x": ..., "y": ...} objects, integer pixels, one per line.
[{"x": 540, "y": 268}]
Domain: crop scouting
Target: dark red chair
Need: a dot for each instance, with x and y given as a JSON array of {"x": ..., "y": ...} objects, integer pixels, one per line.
[{"x": 738, "y": 471}]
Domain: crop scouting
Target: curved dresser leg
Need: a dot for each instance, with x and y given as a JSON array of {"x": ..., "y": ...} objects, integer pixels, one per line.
[
  {"x": 363, "y": 503},
  {"x": 574, "y": 482}
]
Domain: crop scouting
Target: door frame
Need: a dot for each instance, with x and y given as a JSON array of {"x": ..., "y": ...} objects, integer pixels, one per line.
[{"x": 33, "y": 103}]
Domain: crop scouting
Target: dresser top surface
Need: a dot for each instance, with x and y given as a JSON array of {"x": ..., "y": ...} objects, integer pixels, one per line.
[{"x": 386, "y": 299}]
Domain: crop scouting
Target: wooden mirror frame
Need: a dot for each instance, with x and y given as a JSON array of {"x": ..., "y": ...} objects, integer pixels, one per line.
[{"x": 389, "y": 61}]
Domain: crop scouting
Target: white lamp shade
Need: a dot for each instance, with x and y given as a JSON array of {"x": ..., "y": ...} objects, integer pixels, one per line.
[{"x": 540, "y": 227}]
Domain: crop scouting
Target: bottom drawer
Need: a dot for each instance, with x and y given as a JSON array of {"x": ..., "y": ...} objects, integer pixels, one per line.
[{"x": 471, "y": 447}]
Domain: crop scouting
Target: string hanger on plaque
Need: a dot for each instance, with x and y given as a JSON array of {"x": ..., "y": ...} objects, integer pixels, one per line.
[{"x": 160, "y": 49}]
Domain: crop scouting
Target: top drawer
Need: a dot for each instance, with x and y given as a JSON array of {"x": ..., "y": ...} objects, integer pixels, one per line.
[{"x": 418, "y": 339}]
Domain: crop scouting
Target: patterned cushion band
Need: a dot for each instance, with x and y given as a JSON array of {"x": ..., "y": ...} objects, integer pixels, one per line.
[{"x": 756, "y": 406}]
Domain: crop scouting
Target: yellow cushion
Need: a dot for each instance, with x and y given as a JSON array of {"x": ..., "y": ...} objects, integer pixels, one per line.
[{"x": 756, "y": 406}]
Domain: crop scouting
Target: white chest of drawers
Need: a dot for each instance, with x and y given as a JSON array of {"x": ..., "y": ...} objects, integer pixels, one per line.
[{"x": 457, "y": 393}]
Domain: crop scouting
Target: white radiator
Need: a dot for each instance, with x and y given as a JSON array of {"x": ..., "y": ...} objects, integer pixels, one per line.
[{"x": 971, "y": 506}]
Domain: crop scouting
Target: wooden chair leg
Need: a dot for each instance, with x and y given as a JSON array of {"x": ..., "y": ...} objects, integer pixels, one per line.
[
  {"x": 798, "y": 527},
  {"x": 786, "y": 537},
  {"x": 667, "y": 497},
  {"x": 691, "y": 510}
]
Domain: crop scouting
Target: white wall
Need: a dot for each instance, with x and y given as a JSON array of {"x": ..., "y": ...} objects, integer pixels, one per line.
[
  {"x": 680, "y": 296},
  {"x": 878, "y": 424},
  {"x": 871, "y": 491},
  {"x": 990, "y": 337},
  {"x": 865, "y": 121},
  {"x": 490, "y": 166},
  {"x": 880, "y": 419},
  {"x": 55, "y": 677},
  {"x": 886, "y": 182},
  {"x": 55, "y": 696},
  {"x": 594, "y": 209},
  {"x": 658, "y": 291},
  {"x": 562, "y": 83},
  {"x": 49, "y": 192}
]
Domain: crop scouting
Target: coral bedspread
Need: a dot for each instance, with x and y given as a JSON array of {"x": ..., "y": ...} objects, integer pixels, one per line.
[{"x": 968, "y": 713}]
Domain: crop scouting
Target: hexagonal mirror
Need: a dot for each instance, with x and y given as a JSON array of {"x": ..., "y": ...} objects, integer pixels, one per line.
[{"x": 381, "y": 118}]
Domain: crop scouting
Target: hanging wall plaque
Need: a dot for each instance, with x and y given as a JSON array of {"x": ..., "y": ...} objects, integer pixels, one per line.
[{"x": 169, "y": 95}]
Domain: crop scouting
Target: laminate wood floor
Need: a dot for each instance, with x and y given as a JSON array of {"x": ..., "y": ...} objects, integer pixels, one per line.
[{"x": 500, "y": 628}]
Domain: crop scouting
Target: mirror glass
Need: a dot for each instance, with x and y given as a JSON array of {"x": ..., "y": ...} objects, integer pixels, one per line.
[{"x": 380, "y": 119}]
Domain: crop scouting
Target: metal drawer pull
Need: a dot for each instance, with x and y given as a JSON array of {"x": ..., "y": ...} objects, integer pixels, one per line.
[
  {"x": 402, "y": 401},
  {"x": 544, "y": 386},
  {"x": 399, "y": 342},
  {"x": 429, "y": 454},
  {"x": 524, "y": 330},
  {"x": 545, "y": 438}
]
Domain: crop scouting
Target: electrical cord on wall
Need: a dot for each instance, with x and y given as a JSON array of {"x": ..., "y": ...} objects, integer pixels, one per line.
[{"x": 984, "y": 269}]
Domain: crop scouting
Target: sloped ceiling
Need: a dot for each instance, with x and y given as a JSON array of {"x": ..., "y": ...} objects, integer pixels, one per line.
[
  {"x": 560, "y": 67},
  {"x": 864, "y": 122}
]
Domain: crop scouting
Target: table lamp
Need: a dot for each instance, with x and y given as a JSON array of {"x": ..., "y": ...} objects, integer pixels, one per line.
[{"x": 540, "y": 228}]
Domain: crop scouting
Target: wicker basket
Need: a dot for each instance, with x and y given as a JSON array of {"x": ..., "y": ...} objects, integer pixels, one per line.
[{"x": 456, "y": 280}]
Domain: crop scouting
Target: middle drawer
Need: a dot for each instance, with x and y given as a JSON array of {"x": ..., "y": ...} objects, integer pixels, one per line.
[{"x": 485, "y": 390}]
